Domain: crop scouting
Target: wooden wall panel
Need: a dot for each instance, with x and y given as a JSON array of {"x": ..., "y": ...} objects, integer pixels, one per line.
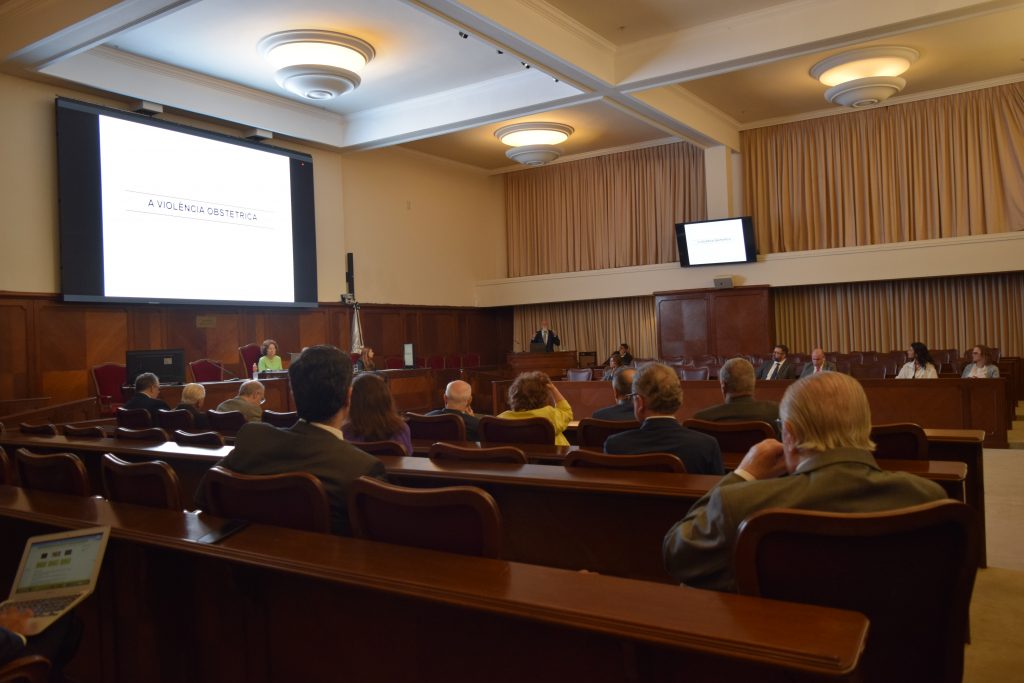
[
  {"x": 714, "y": 321},
  {"x": 50, "y": 345}
]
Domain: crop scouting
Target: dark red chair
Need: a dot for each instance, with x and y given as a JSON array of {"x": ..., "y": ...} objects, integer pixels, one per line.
[
  {"x": 133, "y": 418},
  {"x": 53, "y": 472},
  {"x": 381, "y": 447},
  {"x": 471, "y": 360},
  {"x": 393, "y": 363},
  {"x": 592, "y": 432},
  {"x": 91, "y": 432},
  {"x": 107, "y": 379},
  {"x": 450, "y": 451},
  {"x": 578, "y": 374},
  {"x": 733, "y": 437},
  {"x": 296, "y": 500},
  {"x": 6, "y": 469},
  {"x": 249, "y": 355},
  {"x": 446, "y": 427},
  {"x": 454, "y": 519},
  {"x": 45, "y": 429},
  {"x": 175, "y": 419},
  {"x": 147, "y": 434},
  {"x": 900, "y": 441},
  {"x": 526, "y": 430},
  {"x": 283, "y": 420},
  {"x": 183, "y": 438},
  {"x": 206, "y": 370},
  {"x": 646, "y": 462},
  {"x": 226, "y": 422},
  {"x": 435, "y": 362},
  {"x": 152, "y": 483},
  {"x": 27, "y": 669},
  {"x": 453, "y": 360}
]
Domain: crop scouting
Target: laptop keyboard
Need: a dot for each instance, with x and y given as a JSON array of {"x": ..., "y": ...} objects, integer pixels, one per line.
[{"x": 45, "y": 607}]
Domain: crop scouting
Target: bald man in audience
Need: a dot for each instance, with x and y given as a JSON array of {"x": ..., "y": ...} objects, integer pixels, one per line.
[
  {"x": 657, "y": 395},
  {"x": 622, "y": 385},
  {"x": 824, "y": 462},
  {"x": 458, "y": 400},
  {"x": 736, "y": 378},
  {"x": 249, "y": 401},
  {"x": 817, "y": 364}
]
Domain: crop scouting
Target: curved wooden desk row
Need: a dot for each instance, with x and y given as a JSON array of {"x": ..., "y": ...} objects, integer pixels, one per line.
[
  {"x": 272, "y": 604},
  {"x": 606, "y": 521}
]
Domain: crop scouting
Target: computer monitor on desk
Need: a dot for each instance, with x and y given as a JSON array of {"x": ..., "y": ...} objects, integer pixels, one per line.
[{"x": 167, "y": 364}]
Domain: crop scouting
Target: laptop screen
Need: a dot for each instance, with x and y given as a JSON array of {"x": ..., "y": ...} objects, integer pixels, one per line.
[{"x": 60, "y": 563}]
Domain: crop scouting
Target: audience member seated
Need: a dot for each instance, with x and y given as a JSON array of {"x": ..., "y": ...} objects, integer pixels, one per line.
[
  {"x": 982, "y": 367},
  {"x": 657, "y": 395},
  {"x": 458, "y": 400},
  {"x": 321, "y": 381},
  {"x": 147, "y": 389},
  {"x": 824, "y": 462},
  {"x": 192, "y": 397},
  {"x": 818, "y": 364},
  {"x": 622, "y": 385},
  {"x": 57, "y": 643},
  {"x": 626, "y": 356},
  {"x": 919, "y": 364},
  {"x": 269, "y": 360},
  {"x": 532, "y": 394},
  {"x": 249, "y": 401},
  {"x": 372, "y": 415},
  {"x": 736, "y": 378},
  {"x": 365, "y": 362},
  {"x": 780, "y": 366},
  {"x": 614, "y": 363}
]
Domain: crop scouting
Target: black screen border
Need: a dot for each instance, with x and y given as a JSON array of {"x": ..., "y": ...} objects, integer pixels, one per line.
[{"x": 749, "y": 241}]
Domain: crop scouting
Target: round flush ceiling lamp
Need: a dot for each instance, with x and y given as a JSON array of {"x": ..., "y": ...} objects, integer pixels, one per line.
[
  {"x": 860, "y": 78},
  {"x": 534, "y": 143},
  {"x": 316, "y": 65}
]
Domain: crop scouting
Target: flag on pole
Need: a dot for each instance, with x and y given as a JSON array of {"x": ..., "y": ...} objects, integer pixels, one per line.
[{"x": 357, "y": 330}]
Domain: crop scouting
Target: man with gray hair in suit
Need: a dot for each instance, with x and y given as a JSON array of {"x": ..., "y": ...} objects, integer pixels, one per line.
[{"x": 736, "y": 378}]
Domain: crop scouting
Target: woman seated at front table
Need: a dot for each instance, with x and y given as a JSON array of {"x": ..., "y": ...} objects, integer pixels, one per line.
[
  {"x": 269, "y": 360},
  {"x": 365, "y": 360},
  {"x": 982, "y": 367},
  {"x": 372, "y": 415},
  {"x": 192, "y": 397},
  {"x": 534, "y": 395},
  {"x": 919, "y": 364}
]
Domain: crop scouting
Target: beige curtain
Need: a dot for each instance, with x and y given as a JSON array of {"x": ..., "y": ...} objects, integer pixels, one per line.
[
  {"x": 945, "y": 167},
  {"x": 604, "y": 212},
  {"x": 944, "y": 313},
  {"x": 599, "y": 325}
]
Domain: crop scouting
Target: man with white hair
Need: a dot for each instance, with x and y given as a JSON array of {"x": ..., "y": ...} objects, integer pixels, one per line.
[
  {"x": 458, "y": 400},
  {"x": 249, "y": 401},
  {"x": 826, "y": 453}
]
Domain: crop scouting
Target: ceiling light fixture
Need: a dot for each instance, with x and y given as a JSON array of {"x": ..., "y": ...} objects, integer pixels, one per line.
[
  {"x": 533, "y": 143},
  {"x": 860, "y": 78},
  {"x": 316, "y": 65}
]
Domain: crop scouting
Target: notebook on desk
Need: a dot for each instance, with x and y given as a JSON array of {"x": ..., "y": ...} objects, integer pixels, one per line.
[{"x": 57, "y": 572}]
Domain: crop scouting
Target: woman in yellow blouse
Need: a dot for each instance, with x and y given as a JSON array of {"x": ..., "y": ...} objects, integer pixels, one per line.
[{"x": 534, "y": 395}]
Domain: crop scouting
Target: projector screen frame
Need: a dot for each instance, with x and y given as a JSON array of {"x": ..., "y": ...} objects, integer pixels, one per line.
[
  {"x": 749, "y": 241},
  {"x": 80, "y": 218}
]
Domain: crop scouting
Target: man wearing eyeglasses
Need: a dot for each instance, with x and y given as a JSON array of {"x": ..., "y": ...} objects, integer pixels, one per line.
[{"x": 249, "y": 401}]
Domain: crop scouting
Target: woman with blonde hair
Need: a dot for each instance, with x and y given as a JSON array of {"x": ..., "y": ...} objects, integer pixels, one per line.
[{"x": 534, "y": 395}]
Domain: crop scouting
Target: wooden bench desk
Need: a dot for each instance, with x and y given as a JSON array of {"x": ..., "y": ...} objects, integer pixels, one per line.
[{"x": 273, "y": 604}]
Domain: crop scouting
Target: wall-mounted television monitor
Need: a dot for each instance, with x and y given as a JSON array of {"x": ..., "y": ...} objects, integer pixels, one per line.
[
  {"x": 726, "y": 240},
  {"x": 167, "y": 364},
  {"x": 155, "y": 212}
]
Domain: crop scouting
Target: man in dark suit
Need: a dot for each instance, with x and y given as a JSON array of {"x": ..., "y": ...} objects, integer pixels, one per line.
[
  {"x": 622, "y": 384},
  {"x": 824, "y": 462},
  {"x": 780, "y": 367},
  {"x": 737, "y": 380},
  {"x": 657, "y": 395},
  {"x": 547, "y": 337},
  {"x": 817, "y": 364},
  {"x": 458, "y": 400},
  {"x": 321, "y": 381},
  {"x": 626, "y": 356},
  {"x": 147, "y": 388}
]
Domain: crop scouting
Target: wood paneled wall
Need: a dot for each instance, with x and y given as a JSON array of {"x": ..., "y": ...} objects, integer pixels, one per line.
[{"x": 49, "y": 346}]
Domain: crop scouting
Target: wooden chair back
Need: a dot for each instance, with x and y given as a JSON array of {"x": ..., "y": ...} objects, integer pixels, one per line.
[
  {"x": 6, "y": 469},
  {"x": 447, "y": 427},
  {"x": 691, "y": 374},
  {"x": 526, "y": 430},
  {"x": 206, "y": 370},
  {"x": 46, "y": 429},
  {"x": 579, "y": 374},
  {"x": 901, "y": 441},
  {"x": 592, "y": 432},
  {"x": 175, "y": 419},
  {"x": 27, "y": 669},
  {"x": 184, "y": 438},
  {"x": 381, "y": 447},
  {"x": 227, "y": 422},
  {"x": 148, "y": 434},
  {"x": 910, "y": 571},
  {"x": 450, "y": 451},
  {"x": 153, "y": 483},
  {"x": 133, "y": 418},
  {"x": 249, "y": 355},
  {"x": 454, "y": 519},
  {"x": 53, "y": 472},
  {"x": 734, "y": 437},
  {"x": 646, "y": 462},
  {"x": 296, "y": 500},
  {"x": 90, "y": 432},
  {"x": 107, "y": 380},
  {"x": 280, "y": 419}
]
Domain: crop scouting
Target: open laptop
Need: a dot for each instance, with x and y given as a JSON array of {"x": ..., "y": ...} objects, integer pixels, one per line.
[{"x": 57, "y": 572}]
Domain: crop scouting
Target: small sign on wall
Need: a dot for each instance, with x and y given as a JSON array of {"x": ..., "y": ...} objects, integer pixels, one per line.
[{"x": 206, "y": 321}]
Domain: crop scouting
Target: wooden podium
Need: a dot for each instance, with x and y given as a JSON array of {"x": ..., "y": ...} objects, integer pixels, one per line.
[{"x": 554, "y": 364}]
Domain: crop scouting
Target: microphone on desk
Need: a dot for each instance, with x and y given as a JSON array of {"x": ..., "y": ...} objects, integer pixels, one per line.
[{"x": 224, "y": 369}]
